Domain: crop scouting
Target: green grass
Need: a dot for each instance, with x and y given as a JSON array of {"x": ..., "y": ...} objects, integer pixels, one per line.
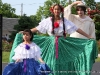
[
  {"x": 5, "y": 57},
  {"x": 98, "y": 59}
]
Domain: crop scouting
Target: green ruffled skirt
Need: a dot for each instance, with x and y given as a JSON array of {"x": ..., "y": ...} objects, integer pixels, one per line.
[{"x": 75, "y": 56}]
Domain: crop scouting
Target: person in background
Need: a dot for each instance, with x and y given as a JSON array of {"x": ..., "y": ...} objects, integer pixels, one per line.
[{"x": 81, "y": 20}]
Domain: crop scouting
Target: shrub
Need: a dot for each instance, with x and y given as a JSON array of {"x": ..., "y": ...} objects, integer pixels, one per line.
[
  {"x": 95, "y": 15},
  {"x": 6, "y": 46}
]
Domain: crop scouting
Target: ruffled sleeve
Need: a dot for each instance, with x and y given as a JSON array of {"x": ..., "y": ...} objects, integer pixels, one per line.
[
  {"x": 43, "y": 26},
  {"x": 17, "y": 54},
  {"x": 22, "y": 53},
  {"x": 69, "y": 26},
  {"x": 37, "y": 52},
  {"x": 68, "y": 14}
]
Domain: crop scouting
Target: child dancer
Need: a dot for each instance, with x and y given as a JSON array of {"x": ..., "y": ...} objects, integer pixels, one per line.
[{"x": 26, "y": 58}]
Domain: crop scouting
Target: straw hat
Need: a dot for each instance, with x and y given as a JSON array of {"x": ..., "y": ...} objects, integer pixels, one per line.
[{"x": 81, "y": 4}]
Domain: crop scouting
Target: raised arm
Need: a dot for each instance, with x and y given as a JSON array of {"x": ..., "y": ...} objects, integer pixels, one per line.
[{"x": 67, "y": 10}]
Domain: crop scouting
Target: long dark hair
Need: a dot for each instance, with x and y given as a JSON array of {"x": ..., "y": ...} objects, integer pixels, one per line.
[{"x": 62, "y": 16}]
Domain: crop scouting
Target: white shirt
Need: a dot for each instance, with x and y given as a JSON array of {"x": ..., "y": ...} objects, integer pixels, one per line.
[
  {"x": 22, "y": 53},
  {"x": 86, "y": 24},
  {"x": 45, "y": 26}
]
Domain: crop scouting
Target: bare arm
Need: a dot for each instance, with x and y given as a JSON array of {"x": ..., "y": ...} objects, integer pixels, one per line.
[
  {"x": 17, "y": 60},
  {"x": 83, "y": 33},
  {"x": 68, "y": 13},
  {"x": 34, "y": 30}
]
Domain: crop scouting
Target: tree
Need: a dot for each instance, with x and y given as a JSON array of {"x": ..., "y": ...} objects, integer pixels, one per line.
[
  {"x": 44, "y": 12},
  {"x": 7, "y": 11},
  {"x": 90, "y": 3},
  {"x": 24, "y": 22},
  {"x": 95, "y": 15},
  {"x": 1, "y": 4},
  {"x": 35, "y": 20},
  {"x": 97, "y": 20},
  {"x": 39, "y": 12}
]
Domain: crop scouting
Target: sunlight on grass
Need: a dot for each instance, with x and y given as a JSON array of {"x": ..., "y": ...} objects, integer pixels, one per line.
[
  {"x": 5, "y": 56},
  {"x": 98, "y": 59}
]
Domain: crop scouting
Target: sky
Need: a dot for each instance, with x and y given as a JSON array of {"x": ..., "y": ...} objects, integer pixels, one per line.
[{"x": 29, "y": 6}]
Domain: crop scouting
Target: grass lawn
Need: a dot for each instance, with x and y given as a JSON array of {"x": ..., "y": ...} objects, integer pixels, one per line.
[
  {"x": 98, "y": 59},
  {"x": 5, "y": 57}
]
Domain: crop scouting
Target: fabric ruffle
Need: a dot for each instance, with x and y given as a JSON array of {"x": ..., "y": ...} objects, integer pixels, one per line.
[
  {"x": 45, "y": 26},
  {"x": 75, "y": 56},
  {"x": 21, "y": 52},
  {"x": 32, "y": 68}
]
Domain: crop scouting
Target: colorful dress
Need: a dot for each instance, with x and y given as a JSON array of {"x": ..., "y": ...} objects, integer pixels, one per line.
[
  {"x": 28, "y": 64},
  {"x": 64, "y": 55}
]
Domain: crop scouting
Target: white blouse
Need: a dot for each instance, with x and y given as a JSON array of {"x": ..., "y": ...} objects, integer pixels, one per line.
[
  {"x": 22, "y": 53},
  {"x": 45, "y": 26},
  {"x": 87, "y": 24}
]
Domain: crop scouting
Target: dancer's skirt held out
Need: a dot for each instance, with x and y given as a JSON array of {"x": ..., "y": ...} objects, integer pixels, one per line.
[
  {"x": 27, "y": 67},
  {"x": 75, "y": 56}
]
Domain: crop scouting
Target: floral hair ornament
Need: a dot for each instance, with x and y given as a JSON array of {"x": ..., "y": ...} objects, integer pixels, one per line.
[
  {"x": 27, "y": 47},
  {"x": 52, "y": 7}
]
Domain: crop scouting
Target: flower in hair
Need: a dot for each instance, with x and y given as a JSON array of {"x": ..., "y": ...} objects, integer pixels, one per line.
[
  {"x": 27, "y": 47},
  {"x": 52, "y": 7},
  {"x": 56, "y": 24}
]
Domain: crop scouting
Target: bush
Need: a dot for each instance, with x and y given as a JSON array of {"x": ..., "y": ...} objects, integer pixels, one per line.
[
  {"x": 6, "y": 46},
  {"x": 95, "y": 15},
  {"x": 99, "y": 46}
]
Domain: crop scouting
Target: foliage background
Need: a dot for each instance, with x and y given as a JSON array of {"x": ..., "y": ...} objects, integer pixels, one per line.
[{"x": 43, "y": 12}]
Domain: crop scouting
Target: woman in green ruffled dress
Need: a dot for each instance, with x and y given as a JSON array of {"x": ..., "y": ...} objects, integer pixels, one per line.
[{"x": 64, "y": 55}]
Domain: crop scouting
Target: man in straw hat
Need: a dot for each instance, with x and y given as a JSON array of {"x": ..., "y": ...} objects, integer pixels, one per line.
[{"x": 81, "y": 20}]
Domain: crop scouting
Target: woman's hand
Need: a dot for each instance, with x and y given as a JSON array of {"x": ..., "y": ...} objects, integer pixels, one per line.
[
  {"x": 41, "y": 61},
  {"x": 20, "y": 32},
  {"x": 17, "y": 60},
  {"x": 91, "y": 37}
]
